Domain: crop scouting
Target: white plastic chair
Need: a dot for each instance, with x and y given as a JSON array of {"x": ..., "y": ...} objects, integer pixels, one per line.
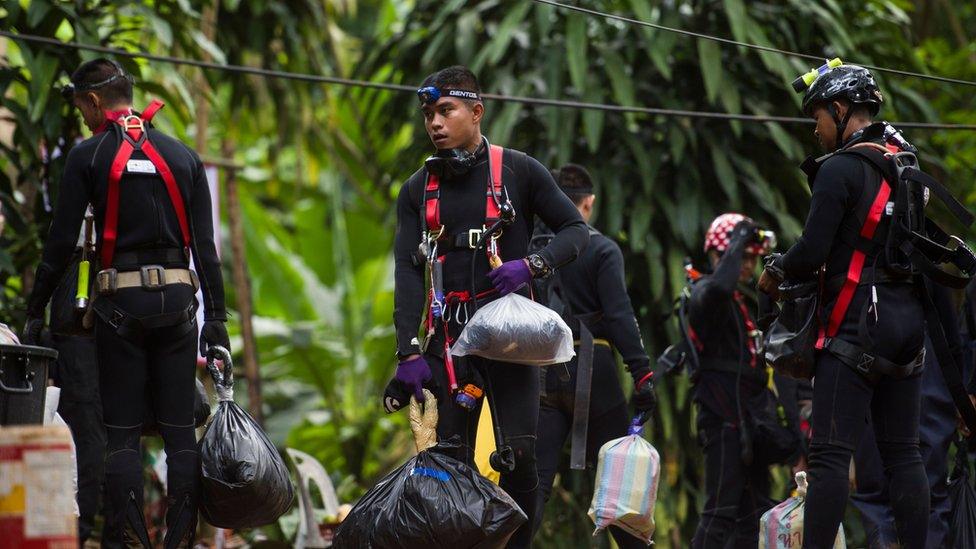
[{"x": 309, "y": 470}]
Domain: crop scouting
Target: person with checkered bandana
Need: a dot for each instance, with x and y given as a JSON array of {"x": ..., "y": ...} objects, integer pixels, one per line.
[{"x": 721, "y": 326}]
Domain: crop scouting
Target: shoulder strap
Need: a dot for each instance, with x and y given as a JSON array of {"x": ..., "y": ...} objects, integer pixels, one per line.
[
  {"x": 136, "y": 137},
  {"x": 432, "y": 193},
  {"x": 432, "y": 203},
  {"x": 492, "y": 214},
  {"x": 869, "y": 226}
]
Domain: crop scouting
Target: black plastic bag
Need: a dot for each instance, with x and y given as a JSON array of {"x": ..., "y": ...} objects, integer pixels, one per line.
[
  {"x": 791, "y": 338},
  {"x": 432, "y": 500},
  {"x": 244, "y": 481},
  {"x": 962, "y": 502}
]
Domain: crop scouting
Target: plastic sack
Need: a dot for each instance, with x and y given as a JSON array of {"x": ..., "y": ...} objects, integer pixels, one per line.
[
  {"x": 51, "y": 417},
  {"x": 782, "y": 526},
  {"x": 962, "y": 502},
  {"x": 791, "y": 339},
  {"x": 518, "y": 330},
  {"x": 7, "y": 336},
  {"x": 244, "y": 481},
  {"x": 627, "y": 475},
  {"x": 432, "y": 500}
]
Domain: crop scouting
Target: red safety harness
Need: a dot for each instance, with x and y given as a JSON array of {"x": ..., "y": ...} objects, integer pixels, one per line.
[
  {"x": 135, "y": 137},
  {"x": 752, "y": 332},
  {"x": 856, "y": 267},
  {"x": 432, "y": 194},
  {"x": 434, "y": 230}
]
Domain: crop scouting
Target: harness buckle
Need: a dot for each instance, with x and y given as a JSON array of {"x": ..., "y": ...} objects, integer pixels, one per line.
[
  {"x": 117, "y": 317},
  {"x": 153, "y": 277},
  {"x": 474, "y": 235},
  {"x": 864, "y": 364},
  {"x": 131, "y": 122},
  {"x": 107, "y": 281}
]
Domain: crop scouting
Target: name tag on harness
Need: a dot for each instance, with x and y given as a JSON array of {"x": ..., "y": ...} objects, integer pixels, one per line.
[{"x": 140, "y": 166}]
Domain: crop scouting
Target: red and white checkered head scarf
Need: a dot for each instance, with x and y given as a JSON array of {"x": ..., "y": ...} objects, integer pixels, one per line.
[{"x": 720, "y": 234}]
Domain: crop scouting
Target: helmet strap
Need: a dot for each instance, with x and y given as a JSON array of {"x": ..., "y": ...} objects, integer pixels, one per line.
[{"x": 841, "y": 124}]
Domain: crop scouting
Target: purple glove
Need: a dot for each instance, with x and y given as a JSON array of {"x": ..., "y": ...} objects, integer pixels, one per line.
[
  {"x": 413, "y": 374},
  {"x": 511, "y": 276}
]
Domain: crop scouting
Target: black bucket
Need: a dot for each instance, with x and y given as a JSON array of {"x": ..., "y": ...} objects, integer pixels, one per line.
[{"x": 23, "y": 383}]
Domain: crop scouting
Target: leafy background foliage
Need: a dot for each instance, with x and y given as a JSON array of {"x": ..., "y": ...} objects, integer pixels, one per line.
[{"x": 322, "y": 164}]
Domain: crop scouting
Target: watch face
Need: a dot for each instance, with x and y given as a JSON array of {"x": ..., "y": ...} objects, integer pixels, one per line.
[{"x": 537, "y": 264}]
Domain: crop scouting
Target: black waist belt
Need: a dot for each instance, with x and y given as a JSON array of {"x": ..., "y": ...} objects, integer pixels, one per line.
[
  {"x": 129, "y": 326},
  {"x": 464, "y": 240},
  {"x": 866, "y": 364},
  {"x": 869, "y": 276},
  {"x": 133, "y": 259}
]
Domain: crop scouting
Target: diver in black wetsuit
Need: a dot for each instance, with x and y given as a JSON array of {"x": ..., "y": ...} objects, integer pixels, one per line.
[
  {"x": 590, "y": 290},
  {"x": 152, "y": 211},
  {"x": 442, "y": 212}
]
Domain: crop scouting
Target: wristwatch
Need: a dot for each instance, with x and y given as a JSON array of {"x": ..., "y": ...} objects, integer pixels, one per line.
[{"x": 538, "y": 266}]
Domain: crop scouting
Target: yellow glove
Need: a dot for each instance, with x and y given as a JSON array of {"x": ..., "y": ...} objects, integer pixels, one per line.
[{"x": 423, "y": 421}]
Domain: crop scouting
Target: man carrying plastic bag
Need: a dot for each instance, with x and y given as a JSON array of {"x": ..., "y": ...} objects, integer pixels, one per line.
[
  {"x": 463, "y": 226},
  {"x": 432, "y": 500},
  {"x": 627, "y": 476}
]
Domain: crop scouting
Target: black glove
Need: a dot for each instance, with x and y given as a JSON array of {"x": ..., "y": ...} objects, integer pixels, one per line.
[
  {"x": 396, "y": 396},
  {"x": 774, "y": 265},
  {"x": 746, "y": 227},
  {"x": 214, "y": 332},
  {"x": 32, "y": 331},
  {"x": 644, "y": 399}
]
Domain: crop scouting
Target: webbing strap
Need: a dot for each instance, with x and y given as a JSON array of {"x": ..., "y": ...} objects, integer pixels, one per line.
[
  {"x": 856, "y": 267},
  {"x": 581, "y": 405},
  {"x": 947, "y": 362},
  {"x": 432, "y": 193},
  {"x": 134, "y": 139},
  {"x": 171, "y": 188},
  {"x": 750, "y": 328},
  {"x": 491, "y": 207},
  {"x": 150, "y": 111},
  {"x": 110, "y": 227}
]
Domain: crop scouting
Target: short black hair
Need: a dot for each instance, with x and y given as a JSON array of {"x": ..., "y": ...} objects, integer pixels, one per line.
[
  {"x": 575, "y": 181},
  {"x": 457, "y": 77},
  {"x": 102, "y": 69}
]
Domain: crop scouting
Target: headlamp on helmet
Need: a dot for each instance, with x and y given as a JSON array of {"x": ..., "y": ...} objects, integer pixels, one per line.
[{"x": 804, "y": 81}]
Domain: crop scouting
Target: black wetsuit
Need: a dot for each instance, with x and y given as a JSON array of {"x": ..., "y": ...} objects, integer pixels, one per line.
[
  {"x": 162, "y": 358},
  {"x": 843, "y": 398},
  {"x": 592, "y": 288},
  {"x": 513, "y": 389},
  {"x": 729, "y": 374}
]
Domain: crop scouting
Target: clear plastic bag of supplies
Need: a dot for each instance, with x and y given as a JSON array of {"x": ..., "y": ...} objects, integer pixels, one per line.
[
  {"x": 244, "y": 481},
  {"x": 432, "y": 500},
  {"x": 627, "y": 477},
  {"x": 782, "y": 526},
  {"x": 518, "y": 330}
]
